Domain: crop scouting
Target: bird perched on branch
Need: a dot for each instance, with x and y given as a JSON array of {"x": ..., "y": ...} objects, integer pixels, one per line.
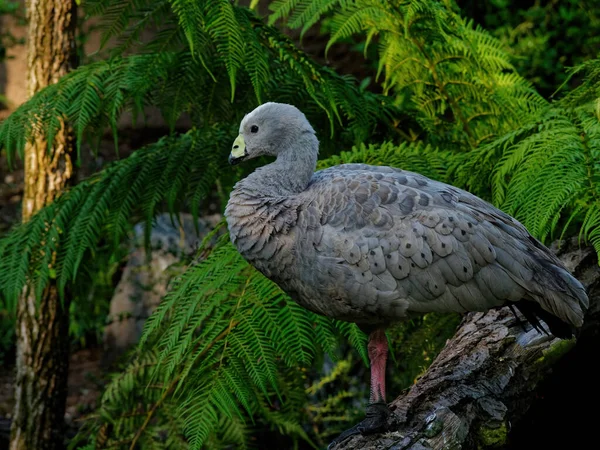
[{"x": 371, "y": 245}]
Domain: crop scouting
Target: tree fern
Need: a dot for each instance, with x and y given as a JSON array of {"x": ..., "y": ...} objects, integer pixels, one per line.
[
  {"x": 416, "y": 157},
  {"x": 227, "y": 352},
  {"x": 102, "y": 206},
  {"x": 545, "y": 172},
  {"x": 457, "y": 79},
  {"x": 224, "y": 336},
  {"x": 176, "y": 81}
]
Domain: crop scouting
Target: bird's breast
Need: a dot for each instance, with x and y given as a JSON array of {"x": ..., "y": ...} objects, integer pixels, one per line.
[{"x": 261, "y": 230}]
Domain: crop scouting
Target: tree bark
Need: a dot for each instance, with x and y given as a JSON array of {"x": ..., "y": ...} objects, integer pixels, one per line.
[
  {"x": 485, "y": 379},
  {"x": 43, "y": 323}
]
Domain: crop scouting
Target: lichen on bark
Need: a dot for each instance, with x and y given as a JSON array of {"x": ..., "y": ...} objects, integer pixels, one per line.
[{"x": 43, "y": 320}]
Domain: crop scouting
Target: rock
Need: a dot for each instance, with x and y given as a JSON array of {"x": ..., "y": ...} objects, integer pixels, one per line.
[{"x": 145, "y": 277}]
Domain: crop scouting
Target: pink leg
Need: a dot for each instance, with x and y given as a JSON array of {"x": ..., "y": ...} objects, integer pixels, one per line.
[
  {"x": 378, "y": 351},
  {"x": 377, "y": 414}
]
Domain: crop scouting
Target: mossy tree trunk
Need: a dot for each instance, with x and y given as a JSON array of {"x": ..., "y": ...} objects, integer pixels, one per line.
[
  {"x": 43, "y": 323},
  {"x": 486, "y": 378}
]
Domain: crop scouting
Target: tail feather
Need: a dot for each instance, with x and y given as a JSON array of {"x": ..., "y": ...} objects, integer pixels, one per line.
[
  {"x": 562, "y": 296},
  {"x": 533, "y": 312},
  {"x": 561, "y": 301}
]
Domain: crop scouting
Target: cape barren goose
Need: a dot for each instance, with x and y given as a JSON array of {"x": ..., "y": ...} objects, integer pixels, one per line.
[{"x": 370, "y": 244}]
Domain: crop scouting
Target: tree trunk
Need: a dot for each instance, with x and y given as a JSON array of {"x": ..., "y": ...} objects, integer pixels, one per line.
[
  {"x": 43, "y": 323},
  {"x": 485, "y": 379}
]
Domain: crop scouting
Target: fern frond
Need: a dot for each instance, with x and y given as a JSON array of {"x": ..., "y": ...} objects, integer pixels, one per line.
[
  {"x": 356, "y": 337},
  {"x": 545, "y": 172},
  {"x": 415, "y": 157},
  {"x": 456, "y": 78},
  {"x": 102, "y": 207},
  {"x": 228, "y": 50},
  {"x": 225, "y": 338},
  {"x": 225, "y": 29}
]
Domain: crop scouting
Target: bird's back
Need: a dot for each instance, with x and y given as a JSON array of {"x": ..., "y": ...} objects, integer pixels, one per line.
[{"x": 370, "y": 244}]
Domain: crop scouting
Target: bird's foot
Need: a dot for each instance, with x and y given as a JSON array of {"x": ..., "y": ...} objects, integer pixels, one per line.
[{"x": 375, "y": 422}]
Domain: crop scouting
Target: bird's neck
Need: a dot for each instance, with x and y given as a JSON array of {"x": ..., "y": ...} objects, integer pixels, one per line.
[
  {"x": 258, "y": 205},
  {"x": 289, "y": 174}
]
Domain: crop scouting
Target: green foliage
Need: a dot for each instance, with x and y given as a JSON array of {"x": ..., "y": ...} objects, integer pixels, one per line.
[
  {"x": 227, "y": 355},
  {"x": 416, "y": 157},
  {"x": 545, "y": 38},
  {"x": 224, "y": 339},
  {"x": 334, "y": 399},
  {"x": 414, "y": 344},
  {"x": 177, "y": 80},
  {"x": 545, "y": 172},
  {"x": 453, "y": 78},
  {"x": 93, "y": 292},
  {"x": 101, "y": 207}
]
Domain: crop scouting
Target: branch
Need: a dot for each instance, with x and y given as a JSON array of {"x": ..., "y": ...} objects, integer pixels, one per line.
[{"x": 484, "y": 380}]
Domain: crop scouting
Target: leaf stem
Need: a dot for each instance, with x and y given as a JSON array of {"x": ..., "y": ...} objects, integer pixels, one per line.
[{"x": 172, "y": 386}]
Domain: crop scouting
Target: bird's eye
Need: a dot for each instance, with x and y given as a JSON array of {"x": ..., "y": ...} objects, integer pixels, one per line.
[{"x": 254, "y": 129}]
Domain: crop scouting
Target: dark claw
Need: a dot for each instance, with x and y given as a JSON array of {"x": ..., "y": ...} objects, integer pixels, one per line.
[{"x": 375, "y": 422}]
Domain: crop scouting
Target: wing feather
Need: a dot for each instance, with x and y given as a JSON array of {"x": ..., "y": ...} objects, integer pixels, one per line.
[{"x": 411, "y": 243}]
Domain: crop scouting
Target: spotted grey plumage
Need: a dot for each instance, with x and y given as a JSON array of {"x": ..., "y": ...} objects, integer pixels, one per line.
[{"x": 371, "y": 244}]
